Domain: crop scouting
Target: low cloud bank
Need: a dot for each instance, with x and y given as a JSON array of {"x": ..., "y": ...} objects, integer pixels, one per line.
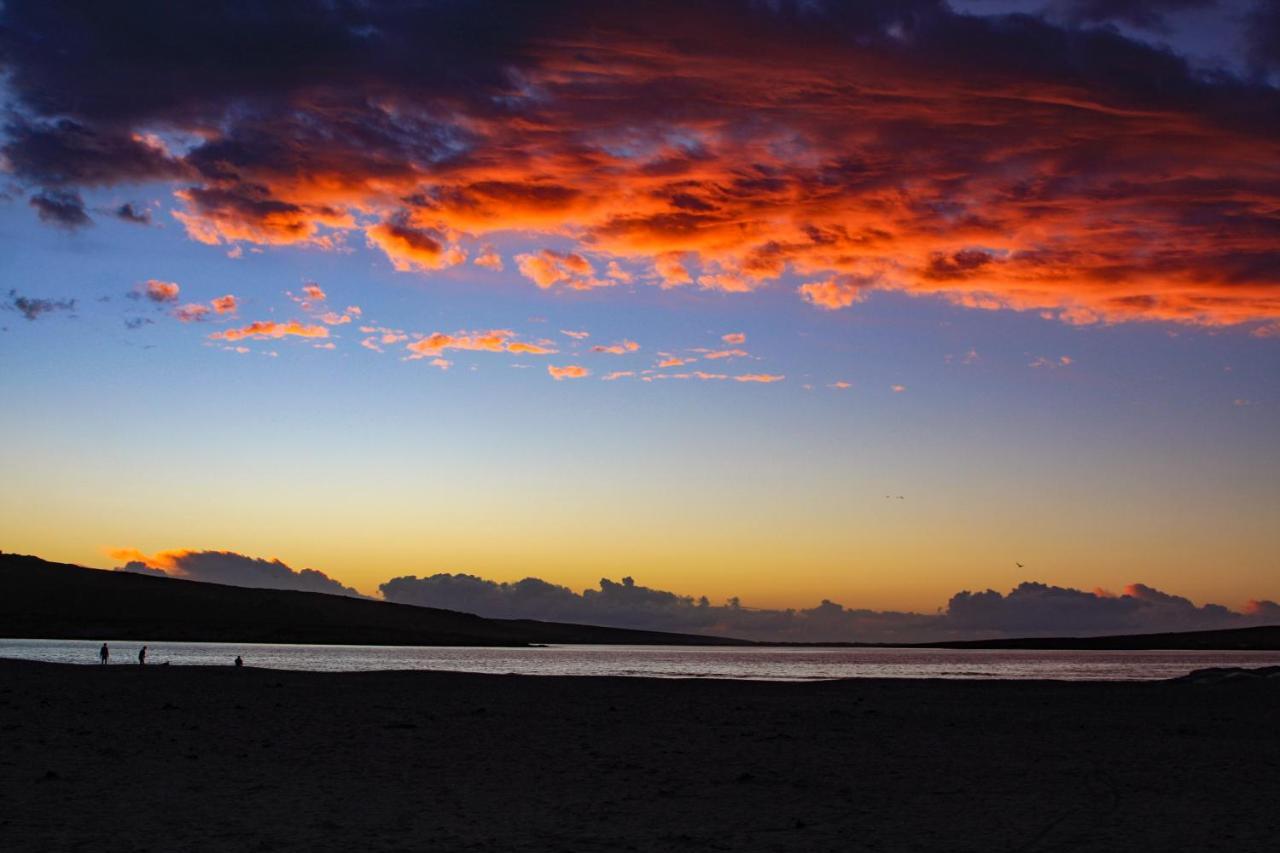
[
  {"x": 227, "y": 567},
  {"x": 1030, "y": 609}
]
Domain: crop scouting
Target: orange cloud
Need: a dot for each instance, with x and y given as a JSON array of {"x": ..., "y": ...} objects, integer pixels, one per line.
[
  {"x": 833, "y": 293},
  {"x": 697, "y": 374},
  {"x": 568, "y": 371},
  {"x": 734, "y": 338},
  {"x": 493, "y": 340},
  {"x": 529, "y": 349},
  {"x": 162, "y": 560},
  {"x": 577, "y": 336},
  {"x": 674, "y": 361},
  {"x": 549, "y": 268},
  {"x": 225, "y": 304},
  {"x": 618, "y": 274},
  {"x": 161, "y": 291},
  {"x": 671, "y": 270},
  {"x": 621, "y": 348},
  {"x": 726, "y": 353},
  {"x": 729, "y": 282},
  {"x": 239, "y": 212},
  {"x": 413, "y": 249},
  {"x": 759, "y": 377},
  {"x": 489, "y": 259},
  {"x": 270, "y": 329}
]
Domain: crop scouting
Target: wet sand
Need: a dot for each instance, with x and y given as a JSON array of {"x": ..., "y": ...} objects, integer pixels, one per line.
[{"x": 210, "y": 759}]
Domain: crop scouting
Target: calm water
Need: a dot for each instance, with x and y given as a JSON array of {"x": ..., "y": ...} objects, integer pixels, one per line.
[{"x": 665, "y": 661}]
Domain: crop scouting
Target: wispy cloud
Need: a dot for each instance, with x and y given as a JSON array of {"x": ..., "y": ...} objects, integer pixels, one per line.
[
  {"x": 271, "y": 329},
  {"x": 621, "y": 348},
  {"x": 33, "y": 308},
  {"x": 492, "y": 340}
]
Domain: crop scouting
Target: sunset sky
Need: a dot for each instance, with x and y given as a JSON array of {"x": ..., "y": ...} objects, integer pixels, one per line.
[{"x": 867, "y": 302}]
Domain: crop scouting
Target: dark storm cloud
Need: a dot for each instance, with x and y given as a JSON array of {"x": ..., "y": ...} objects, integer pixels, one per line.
[
  {"x": 187, "y": 62},
  {"x": 226, "y": 567},
  {"x": 1147, "y": 14},
  {"x": 33, "y": 308},
  {"x": 70, "y": 153},
  {"x": 64, "y": 209},
  {"x": 1263, "y": 28},
  {"x": 1030, "y": 609}
]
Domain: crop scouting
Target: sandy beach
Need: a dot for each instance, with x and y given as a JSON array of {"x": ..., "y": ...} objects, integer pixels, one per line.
[{"x": 205, "y": 759}]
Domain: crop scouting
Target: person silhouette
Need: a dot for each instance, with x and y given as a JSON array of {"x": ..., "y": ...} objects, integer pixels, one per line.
[
  {"x": 239, "y": 661},
  {"x": 104, "y": 653},
  {"x": 142, "y": 656}
]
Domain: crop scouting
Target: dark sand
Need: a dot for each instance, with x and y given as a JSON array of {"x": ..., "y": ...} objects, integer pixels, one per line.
[{"x": 195, "y": 759}]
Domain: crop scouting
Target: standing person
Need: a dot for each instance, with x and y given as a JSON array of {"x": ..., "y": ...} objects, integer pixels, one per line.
[
  {"x": 142, "y": 656},
  {"x": 104, "y": 653},
  {"x": 239, "y": 661}
]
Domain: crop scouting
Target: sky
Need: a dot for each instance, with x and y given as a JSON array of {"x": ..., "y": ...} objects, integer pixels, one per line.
[{"x": 870, "y": 303}]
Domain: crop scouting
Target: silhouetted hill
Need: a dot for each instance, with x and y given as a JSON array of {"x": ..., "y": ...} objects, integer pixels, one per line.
[
  {"x": 40, "y": 599},
  {"x": 1260, "y": 638}
]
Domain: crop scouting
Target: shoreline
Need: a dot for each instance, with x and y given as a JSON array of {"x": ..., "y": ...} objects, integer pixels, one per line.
[
  {"x": 209, "y": 758},
  {"x": 668, "y": 662},
  {"x": 1267, "y": 672}
]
